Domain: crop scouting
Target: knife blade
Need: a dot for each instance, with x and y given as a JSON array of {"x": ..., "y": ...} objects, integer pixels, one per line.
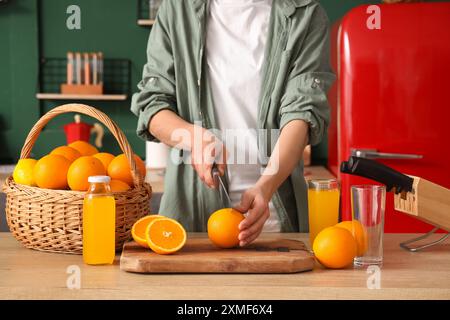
[
  {"x": 220, "y": 186},
  {"x": 394, "y": 180}
]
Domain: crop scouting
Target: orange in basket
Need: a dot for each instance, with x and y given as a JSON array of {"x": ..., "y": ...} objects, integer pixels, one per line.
[
  {"x": 86, "y": 149},
  {"x": 81, "y": 169},
  {"x": 119, "y": 186},
  {"x": 50, "y": 172},
  {"x": 119, "y": 168},
  {"x": 105, "y": 158},
  {"x": 51, "y": 220},
  {"x": 69, "y": 153}
]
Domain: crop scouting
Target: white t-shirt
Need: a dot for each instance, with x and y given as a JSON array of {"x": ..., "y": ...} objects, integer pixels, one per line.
[{"x": 235, "y": 46}]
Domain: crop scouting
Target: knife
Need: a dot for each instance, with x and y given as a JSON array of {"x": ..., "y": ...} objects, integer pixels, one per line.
[
  {"x": 394, "y": 180},
  {"x": 69, "y": 68},
  {"x": 78, "y": 68},
  {"x": 87, "y": 69},
  {"x": 220, "y": 185}
]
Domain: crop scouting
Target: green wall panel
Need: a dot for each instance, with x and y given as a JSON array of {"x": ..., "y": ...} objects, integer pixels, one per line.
[
  {"x": 18, "y": 72},
  {"x": 107, "y": 26},
  {"x": 30, "y": 29}
]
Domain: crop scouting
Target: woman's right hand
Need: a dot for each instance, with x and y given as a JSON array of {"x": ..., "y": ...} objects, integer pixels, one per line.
[{"x": 207, "y": 149}]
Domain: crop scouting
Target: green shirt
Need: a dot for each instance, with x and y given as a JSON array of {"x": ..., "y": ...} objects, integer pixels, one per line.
[{"x": 296, "y": 78}]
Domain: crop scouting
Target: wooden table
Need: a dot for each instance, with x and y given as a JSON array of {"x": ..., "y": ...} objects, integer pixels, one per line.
[{"x": 28, "y": 274}]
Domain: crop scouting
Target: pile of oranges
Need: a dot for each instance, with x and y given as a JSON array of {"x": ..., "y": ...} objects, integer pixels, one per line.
[
  {"x": 68, "y": 167},
  {"x": 335, "y": 247}
]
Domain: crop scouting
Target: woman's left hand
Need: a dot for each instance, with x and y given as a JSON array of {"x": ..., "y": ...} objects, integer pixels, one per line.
[{"x": 254, "y": 202}]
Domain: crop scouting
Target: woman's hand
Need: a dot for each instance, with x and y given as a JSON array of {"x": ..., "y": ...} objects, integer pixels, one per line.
[
  {"x": 204, "y": 146},
  {"x": 288, "y": 151},
  {"x": 207, "y": 149},
  {"x": 254, "y": 202}
]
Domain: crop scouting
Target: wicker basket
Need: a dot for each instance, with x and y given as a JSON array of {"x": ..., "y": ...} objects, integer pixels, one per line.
[{"x": 51, "y": 220}]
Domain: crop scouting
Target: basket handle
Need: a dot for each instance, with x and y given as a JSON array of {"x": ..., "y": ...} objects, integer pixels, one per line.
[{"x": 94, "y": 113}]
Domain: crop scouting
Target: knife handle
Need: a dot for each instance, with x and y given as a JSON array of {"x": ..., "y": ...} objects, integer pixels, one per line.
[{"x": 394, "y": 180}]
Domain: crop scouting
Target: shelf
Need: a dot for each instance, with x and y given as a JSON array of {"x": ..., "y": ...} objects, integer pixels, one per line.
[
  {"x": 145, "y": 22},
  {"x": 59, "y": 96},
  {"x": 147, "y": 12},
  {"x": 116, "y": 84}
]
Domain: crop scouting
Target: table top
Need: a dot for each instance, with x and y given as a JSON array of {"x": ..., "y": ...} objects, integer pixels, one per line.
[{"x": 28, "y": 274}]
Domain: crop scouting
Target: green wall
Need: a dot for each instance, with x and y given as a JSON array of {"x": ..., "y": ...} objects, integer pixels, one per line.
[
  {"x": 18, "y": 73},
  {"x": 30, "y": 29}
]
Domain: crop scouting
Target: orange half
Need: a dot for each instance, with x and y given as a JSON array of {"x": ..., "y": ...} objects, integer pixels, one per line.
[
  {"x": 165, "y": 236},
  {"x": 139, "y": 228}
]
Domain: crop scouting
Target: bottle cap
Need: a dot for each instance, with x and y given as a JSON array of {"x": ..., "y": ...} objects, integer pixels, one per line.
[{"x": 99, "y": 179}]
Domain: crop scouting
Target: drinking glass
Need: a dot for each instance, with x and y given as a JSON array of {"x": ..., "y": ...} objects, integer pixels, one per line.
[
  {"x": 368, "y": 203},
  {"x": 323, "y": 205}
]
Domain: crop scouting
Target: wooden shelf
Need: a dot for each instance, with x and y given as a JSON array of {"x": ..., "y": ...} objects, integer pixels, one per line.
[
  {"x": 145, "y": 22},
  {"x": 59, "y": 96}
]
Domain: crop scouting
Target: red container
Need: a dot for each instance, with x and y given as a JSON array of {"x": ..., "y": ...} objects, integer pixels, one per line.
[
  {"x": 77, "y": 131},
  {"x": 393, "y": 97}
]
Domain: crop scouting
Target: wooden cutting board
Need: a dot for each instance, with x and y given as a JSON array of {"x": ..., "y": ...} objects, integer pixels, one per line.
[{"x": 199, "y": 255}]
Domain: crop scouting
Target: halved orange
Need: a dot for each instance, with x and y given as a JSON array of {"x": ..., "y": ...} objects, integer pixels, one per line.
[
  {"x": 165, "y": 236},
  {"x": 139, "y": 228}
]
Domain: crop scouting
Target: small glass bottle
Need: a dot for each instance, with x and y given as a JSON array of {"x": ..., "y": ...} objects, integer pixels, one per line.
[{"x": 99, "y": 222}]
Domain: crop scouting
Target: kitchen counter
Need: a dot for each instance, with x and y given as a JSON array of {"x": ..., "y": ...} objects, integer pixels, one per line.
[
  {"x": 28, "y": 274},
  {"x": 156, "y": 180},
  {"x": 156, "y": 177}
]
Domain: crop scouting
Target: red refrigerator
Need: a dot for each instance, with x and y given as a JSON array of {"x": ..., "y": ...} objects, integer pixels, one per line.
[{"x": 392, "y": 100}]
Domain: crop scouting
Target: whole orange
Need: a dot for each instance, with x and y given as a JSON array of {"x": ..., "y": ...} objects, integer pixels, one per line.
[
  {"x": 359, "y": 233},
  {"x": 85, "y": 148},
  {"x": 119, "y": 186},
  {"x": 23, "y": 172},
  {"x": 223, "y": 227},
  {"x": 69, "y": 153},
  {"x": 81, "y": 169},
  {"x": 105, "y": 158},
  {"x": 335, "y": 247},
  {"x": 119, "y": 169},
  {"x": 50, "y": 172}
]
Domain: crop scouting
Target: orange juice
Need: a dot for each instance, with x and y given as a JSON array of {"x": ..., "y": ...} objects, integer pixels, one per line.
[
  {"x": 99, "y": 219},
  {"x": 323, "y": 204}
]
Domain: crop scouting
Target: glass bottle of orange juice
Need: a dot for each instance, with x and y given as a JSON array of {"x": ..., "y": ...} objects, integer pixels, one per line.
[
  {"x": 323, "y": 205},
  {"x": 99, "y": 221}
]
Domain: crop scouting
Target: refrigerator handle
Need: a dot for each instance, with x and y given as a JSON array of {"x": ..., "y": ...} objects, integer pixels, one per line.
[{"x": 374, "y": 154}]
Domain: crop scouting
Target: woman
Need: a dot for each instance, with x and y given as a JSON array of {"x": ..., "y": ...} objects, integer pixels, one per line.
[{"x": 237, "y": 66}]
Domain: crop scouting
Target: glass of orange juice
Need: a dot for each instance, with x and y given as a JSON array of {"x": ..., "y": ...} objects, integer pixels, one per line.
[{"x": 323, "y": 204}]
